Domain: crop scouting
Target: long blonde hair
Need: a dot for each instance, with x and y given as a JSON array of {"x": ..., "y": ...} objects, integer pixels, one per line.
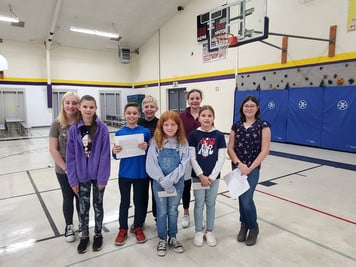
[
  {"x": 62, "y": 116},
  {"x": 159, "y": 134}
]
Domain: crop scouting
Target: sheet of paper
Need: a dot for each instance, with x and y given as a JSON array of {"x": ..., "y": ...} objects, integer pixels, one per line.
[
  {"x": 165, "y": 194},
  {"x": 129, "y": 145},
  {"x": 198, "y": 186},
  {"x": 236, "y": 183}
]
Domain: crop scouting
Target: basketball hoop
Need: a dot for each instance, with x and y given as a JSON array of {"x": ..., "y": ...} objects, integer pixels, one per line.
[{"x": 225, "y": 40}]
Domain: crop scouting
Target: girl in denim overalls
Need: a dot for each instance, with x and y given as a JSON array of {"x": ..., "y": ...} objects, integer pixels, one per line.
[{"x": 167, "y": 159}]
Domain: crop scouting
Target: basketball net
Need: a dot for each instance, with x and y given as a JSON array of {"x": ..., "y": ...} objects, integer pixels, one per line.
[{"x": 224, "y": 41}]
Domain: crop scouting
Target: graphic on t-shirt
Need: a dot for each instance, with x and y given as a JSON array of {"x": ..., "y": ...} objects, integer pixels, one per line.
[
  {"x": 206, "y": 146},
  {"x": 85, "y": 140}
]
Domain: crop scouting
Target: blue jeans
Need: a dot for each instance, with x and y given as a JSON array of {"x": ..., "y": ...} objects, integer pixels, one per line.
[
  {"x": 248, "y": 213},
  {"x": 207, "y": 197},
  {"x": 167, "y": 210},
  {"x": 167, "y": 207}
]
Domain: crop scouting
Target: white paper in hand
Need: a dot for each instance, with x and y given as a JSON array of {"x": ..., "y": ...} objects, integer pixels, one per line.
[
  {"x": 198, "y": 186},
  {"x": 236, "y": 183},
  {"x": 166, "y": 194},
  {"x": 129, "y": 145}
]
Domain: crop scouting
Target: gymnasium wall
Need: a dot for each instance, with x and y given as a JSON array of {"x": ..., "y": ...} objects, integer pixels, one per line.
[{"x": 173, "y": 56}]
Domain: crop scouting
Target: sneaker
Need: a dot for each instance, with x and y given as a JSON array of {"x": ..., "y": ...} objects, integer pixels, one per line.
[
  {"x": 185, "y": 221},
  {"x": 198, "y": 239},
  {"x": 140, "y": 236},
  {"x": 82, "y": 247},
  {"x": 98, "y": 242},
  {"x": 121, "y": 237},
  {"x": 69, "y": 234},
  {"x": 175, "y": 244},
  {"x": 210, "y": 239},
  {"x": 132, "y": 227},
  {"x": 162, "y": 247}
]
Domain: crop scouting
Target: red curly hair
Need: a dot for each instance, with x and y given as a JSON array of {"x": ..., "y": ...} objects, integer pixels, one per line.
[{"x": 159, "y": 134}]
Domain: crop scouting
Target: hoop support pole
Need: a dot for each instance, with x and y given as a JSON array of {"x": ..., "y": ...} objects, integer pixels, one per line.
[
  {"x": 275, "y": 46},
  {"x": 284, "y": 48},
  {"x": 301, "y": 37}
]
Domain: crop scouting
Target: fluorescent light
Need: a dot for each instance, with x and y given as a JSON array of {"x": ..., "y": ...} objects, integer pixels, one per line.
[
  {"x": 94, "y": 32},
  {"x": 9, "y": 19}
]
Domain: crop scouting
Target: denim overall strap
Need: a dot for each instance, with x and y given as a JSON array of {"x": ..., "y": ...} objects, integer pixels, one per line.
[{"x": 168, "y": 160}]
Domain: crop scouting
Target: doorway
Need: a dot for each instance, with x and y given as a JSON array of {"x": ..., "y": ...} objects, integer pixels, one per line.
[{"x": 176, "y": 99}]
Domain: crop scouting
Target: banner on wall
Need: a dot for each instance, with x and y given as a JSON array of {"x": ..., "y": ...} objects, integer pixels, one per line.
[
  {"x": 210, "y": 56},
  {"x": 351, "y": 21}
]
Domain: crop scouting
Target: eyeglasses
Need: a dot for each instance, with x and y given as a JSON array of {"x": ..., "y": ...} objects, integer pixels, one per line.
[{"x": 249, "y": 106}]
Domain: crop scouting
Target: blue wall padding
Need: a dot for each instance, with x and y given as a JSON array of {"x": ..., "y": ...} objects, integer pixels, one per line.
[
  {"x": 339, "y": 119},
  {"x": 305, "y": 111},
  {"x": 313, "y": 116},
  {"x": 274, "y": 109}
]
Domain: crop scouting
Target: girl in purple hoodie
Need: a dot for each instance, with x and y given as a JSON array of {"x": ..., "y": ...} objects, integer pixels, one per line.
[{"x": 88, "y": 166}]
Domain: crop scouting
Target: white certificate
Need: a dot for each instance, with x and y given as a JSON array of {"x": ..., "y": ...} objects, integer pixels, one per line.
[
  {"x": 129, "y": 145},
  {"x": 236, "y": 183},
  {"x": 199, "y": 186},
  {"x": 166, "y": 194}
]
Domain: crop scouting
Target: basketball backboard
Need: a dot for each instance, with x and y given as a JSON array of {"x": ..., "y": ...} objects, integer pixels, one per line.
[{"x": 245, "y": 19}]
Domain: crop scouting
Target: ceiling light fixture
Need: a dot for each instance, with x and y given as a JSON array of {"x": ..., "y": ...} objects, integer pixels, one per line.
[
  {"x": 13, "y": 19},
  {"x": 9, "y": 19},
  {"x": 94, "y": 32}
]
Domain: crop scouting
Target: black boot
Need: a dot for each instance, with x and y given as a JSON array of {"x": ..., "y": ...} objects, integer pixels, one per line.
[
  {"x": 241, "y": 236},
  {"x": 252, "y": 236}
]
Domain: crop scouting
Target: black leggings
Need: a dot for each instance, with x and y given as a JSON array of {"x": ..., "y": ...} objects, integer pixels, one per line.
[
  {"x": 68, "y": 196},
  {"x": 186, "y": 193}
]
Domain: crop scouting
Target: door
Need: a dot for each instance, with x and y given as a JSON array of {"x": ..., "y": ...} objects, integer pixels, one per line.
[
  {"x": 56, "y": 101},
  {"x": 14, "y": 104},
  {"x": 176, "y": 99}
]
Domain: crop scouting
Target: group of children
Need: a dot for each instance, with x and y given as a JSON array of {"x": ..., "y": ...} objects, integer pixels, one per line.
[{"x": 167, "y": 152}]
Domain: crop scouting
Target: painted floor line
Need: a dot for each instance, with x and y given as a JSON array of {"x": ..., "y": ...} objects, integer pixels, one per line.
[{"x": 308, "y": 207}]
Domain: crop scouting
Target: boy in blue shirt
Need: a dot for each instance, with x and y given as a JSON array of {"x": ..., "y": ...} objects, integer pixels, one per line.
[{"x": 132, "y": 171}]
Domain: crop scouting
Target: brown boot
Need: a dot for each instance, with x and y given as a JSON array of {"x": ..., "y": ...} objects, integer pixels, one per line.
[
  {"x": 241, "y": 236},
  {"x": 252, "y": 236}
]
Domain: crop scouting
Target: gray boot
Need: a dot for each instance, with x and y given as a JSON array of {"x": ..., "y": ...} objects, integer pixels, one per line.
[
  {"x": 241, "y": 236},
  {"x": 252, "y": 236}
]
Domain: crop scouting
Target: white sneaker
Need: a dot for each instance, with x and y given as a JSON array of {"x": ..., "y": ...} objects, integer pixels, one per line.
[
  {"x": 210, "y": 239},
  {"x": 198, "y": 239},
  {"x": 69, "y": 234},
  {"x": 185, "y": 221}
]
